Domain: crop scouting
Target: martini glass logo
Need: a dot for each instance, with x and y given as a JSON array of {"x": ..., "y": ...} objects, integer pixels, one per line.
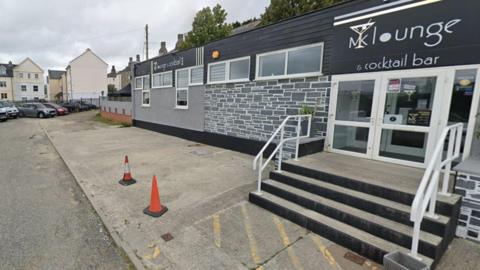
[{"x": 360, "y": 29}]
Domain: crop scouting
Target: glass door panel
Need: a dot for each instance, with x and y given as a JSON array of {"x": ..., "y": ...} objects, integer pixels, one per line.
[
  {"x": 407, "y": 105},
  {"x": 353, "y": 116}
]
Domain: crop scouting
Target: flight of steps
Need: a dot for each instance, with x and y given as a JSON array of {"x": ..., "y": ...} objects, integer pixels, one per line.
[{"x": 369, "y": 219}]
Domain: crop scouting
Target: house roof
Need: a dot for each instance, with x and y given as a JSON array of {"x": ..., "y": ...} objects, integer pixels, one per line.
[
  {"x": 86, "y": 51},
  {"x": 55, "y": 74},
  {"x": 247, "y": 27},
  {"x": 124, "y": 92},
  {"x": 9, "y": 69}
]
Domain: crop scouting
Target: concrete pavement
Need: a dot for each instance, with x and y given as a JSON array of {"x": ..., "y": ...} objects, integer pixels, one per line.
[
  {"x": 46, "y": 222},
  {"x": 205, "y": 188}
]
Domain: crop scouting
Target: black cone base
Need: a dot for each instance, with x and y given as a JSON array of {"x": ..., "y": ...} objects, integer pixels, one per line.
[
  {"x": 127, "y": 183},
  {"x": 155, "y": 214}
]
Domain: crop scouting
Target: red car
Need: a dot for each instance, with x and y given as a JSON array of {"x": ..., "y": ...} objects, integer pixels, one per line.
[{"x": 59, "y": 109}]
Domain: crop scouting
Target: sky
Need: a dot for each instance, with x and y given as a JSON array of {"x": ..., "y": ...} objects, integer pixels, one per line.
[{"x": 53, "y": 32}]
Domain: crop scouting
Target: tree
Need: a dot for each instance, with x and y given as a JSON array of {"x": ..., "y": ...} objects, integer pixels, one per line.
[
  {"x": 111, "y": 89},
  {"x": 283, "y": 9},
  {"x": 208, "y": 25}
]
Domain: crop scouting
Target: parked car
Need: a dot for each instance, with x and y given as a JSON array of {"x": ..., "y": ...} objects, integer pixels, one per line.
[
  {"x": 12, "y": 110},
  {"x": 3, "y": 113},
  {"x": 69, "y": 106},
  {"x": 59, "y": 109},
  {"x": 89, "y": 105},
  {"x": 36, "y": 109},
  {"x": 75, "y": 106}
]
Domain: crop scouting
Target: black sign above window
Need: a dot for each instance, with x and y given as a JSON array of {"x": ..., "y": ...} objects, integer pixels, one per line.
[{"x": 406, "y": 35}]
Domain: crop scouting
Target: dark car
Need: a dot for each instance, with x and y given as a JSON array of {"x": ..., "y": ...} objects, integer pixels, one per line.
[
  {"x": 36, "y": 109},
  {"x": 75, "y": 106},
  {"x": 60, "y": 110},
  {"x": 69, "y": 106},
  {"x": 89, "y": 105}
]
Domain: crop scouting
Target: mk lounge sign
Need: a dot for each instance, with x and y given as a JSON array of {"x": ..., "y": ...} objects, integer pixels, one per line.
[{"x": 406, "y": 34}]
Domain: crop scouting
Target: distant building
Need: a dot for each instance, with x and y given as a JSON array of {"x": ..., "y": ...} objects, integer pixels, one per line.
[
  {"x": 86, "y": 76},
  {"x": 114, "y": 79},
  {"x": 28, "y": 82},
  {"x": 6, "y": 85},
  {"x": 57, "y": 84}
]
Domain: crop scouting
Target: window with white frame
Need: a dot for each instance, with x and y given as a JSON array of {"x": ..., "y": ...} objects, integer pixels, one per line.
[
  {"x": 146, "y": 98},
  {"x": 181, "y": 90},
  {"x": 142, "y": 82},
  {"x": 20, "y": 75},
  {"x": 293, "y": 62},
  {"x": 3, "y": 70},
  {"x": 163, "y": 79},
  {"x": 196, "y": 75},
  {"x": 36, "y": 76},
  {"x": 28, "y": 75},
  {"x": 234, "y": 70},
  {"x": 3, "y": 84},
  {"x": 4, "y": 96},
  {"x": 23, "y": 87},
  {"x": 35, "y": 88}
]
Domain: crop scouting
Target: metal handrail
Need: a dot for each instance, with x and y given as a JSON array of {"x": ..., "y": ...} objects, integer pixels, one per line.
[
  {"x": 259, "y": 158},
  {"x": 426, "y": 196}
]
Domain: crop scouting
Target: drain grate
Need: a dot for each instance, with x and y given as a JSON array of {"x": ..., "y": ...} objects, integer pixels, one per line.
[
  {"x": 167, "y": 237},
  {"x": 354, "y": 258}
]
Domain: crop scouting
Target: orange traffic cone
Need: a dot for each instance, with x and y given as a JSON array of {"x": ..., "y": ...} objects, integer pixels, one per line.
[
  {"x": 127, "y": 176},
  {"x": 155, "y": 209}
]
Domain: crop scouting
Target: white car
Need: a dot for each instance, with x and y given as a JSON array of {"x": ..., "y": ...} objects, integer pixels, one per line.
[
  {"x": 12, "y": 111},
  {"x": 3, "y": 113}
]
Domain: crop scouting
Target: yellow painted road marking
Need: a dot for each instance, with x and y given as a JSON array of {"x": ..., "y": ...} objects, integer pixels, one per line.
[
  {"x": 216, "y": 230},
  {"x": 251, "y": 239},
  {"x": 286, "y": 242},
  {"x": 326, "y": 253}
]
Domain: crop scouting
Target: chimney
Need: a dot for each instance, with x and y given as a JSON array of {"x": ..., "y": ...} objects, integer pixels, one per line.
[
  {"x": 138, "y": 57},
  {"x": 163, "y": 48},
  {"x": 10, "y": 63},
  {"x": 130, "y": 60},
  {"x": 113, "y": 70},
  {"x": 179, "y": 41}
]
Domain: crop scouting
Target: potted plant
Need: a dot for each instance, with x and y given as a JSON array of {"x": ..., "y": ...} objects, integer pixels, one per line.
[{"x": 304, "y": 124}]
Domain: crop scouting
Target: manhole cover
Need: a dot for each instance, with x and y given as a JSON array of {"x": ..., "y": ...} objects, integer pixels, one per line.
[
  {"x": 167, "y": 237},
  {"x": 354, "y": 258}
]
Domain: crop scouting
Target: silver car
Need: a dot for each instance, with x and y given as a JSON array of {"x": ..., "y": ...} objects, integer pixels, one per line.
[
  {"x": 12, "y": 111},
  {"x": 36, "y": 110},
  {"x": 3, "y": 113}
]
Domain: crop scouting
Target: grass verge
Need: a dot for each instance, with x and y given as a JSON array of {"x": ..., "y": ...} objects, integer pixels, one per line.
[{"x": 99, "y": 118}]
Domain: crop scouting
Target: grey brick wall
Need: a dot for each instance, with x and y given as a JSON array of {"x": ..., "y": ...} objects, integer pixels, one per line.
[
  {"x": 254, "y": 110},
  {"x": 468, "y": 186}
]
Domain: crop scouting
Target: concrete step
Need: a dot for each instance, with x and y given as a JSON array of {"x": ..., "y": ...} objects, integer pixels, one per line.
[
  {"x": 385, "y": 208},
  {"x": 357, "y": 240},
  {"x": 430, "y": 245},
  {"x": 446, "y": 205}
]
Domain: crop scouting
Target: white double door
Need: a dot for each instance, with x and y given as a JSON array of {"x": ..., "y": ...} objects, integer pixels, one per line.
[{"x": 388, "y": 116}]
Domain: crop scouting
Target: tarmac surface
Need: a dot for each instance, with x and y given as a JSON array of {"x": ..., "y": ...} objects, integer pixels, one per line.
[
  {"x": 46, "y": 222},
  {"x": 210, "y": 224}
]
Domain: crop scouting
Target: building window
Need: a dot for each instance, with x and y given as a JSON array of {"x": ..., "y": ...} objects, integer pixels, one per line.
[
  {"x": 196, "y": 75},
  {"x": 36, "y": 76},
  {"x": 146, "y": 98},
  {"x": 235, "y": 70},
  {"x": 3, "y": 70},
  {"x": 4, "y": 96},
  {"x": 28, "y": 75},
  {"x": 294, "y": 62},
  {"x": 20, "y": 74},
  {"x": 3, "y": 84},
  {"x": 142, "y": 82},
  {"x": 181, "y": 90},
  {"x": 23, "y": 87},
  {"x": 24, "y": 99},
  {"x": 35, "y": 88},
  {"x": 160, "y": 80}
]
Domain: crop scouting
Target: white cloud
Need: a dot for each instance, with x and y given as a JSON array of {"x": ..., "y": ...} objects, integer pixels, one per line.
[{"x": 52, "y": 32}]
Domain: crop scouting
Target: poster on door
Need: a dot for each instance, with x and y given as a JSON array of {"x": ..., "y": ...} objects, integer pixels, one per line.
[{"x": 393, "y": 86}]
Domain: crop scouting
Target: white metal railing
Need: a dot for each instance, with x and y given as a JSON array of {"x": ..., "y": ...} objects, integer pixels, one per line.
[
  {"x": 259, "y": 158},
  {"x": 426, "y": 196}
]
